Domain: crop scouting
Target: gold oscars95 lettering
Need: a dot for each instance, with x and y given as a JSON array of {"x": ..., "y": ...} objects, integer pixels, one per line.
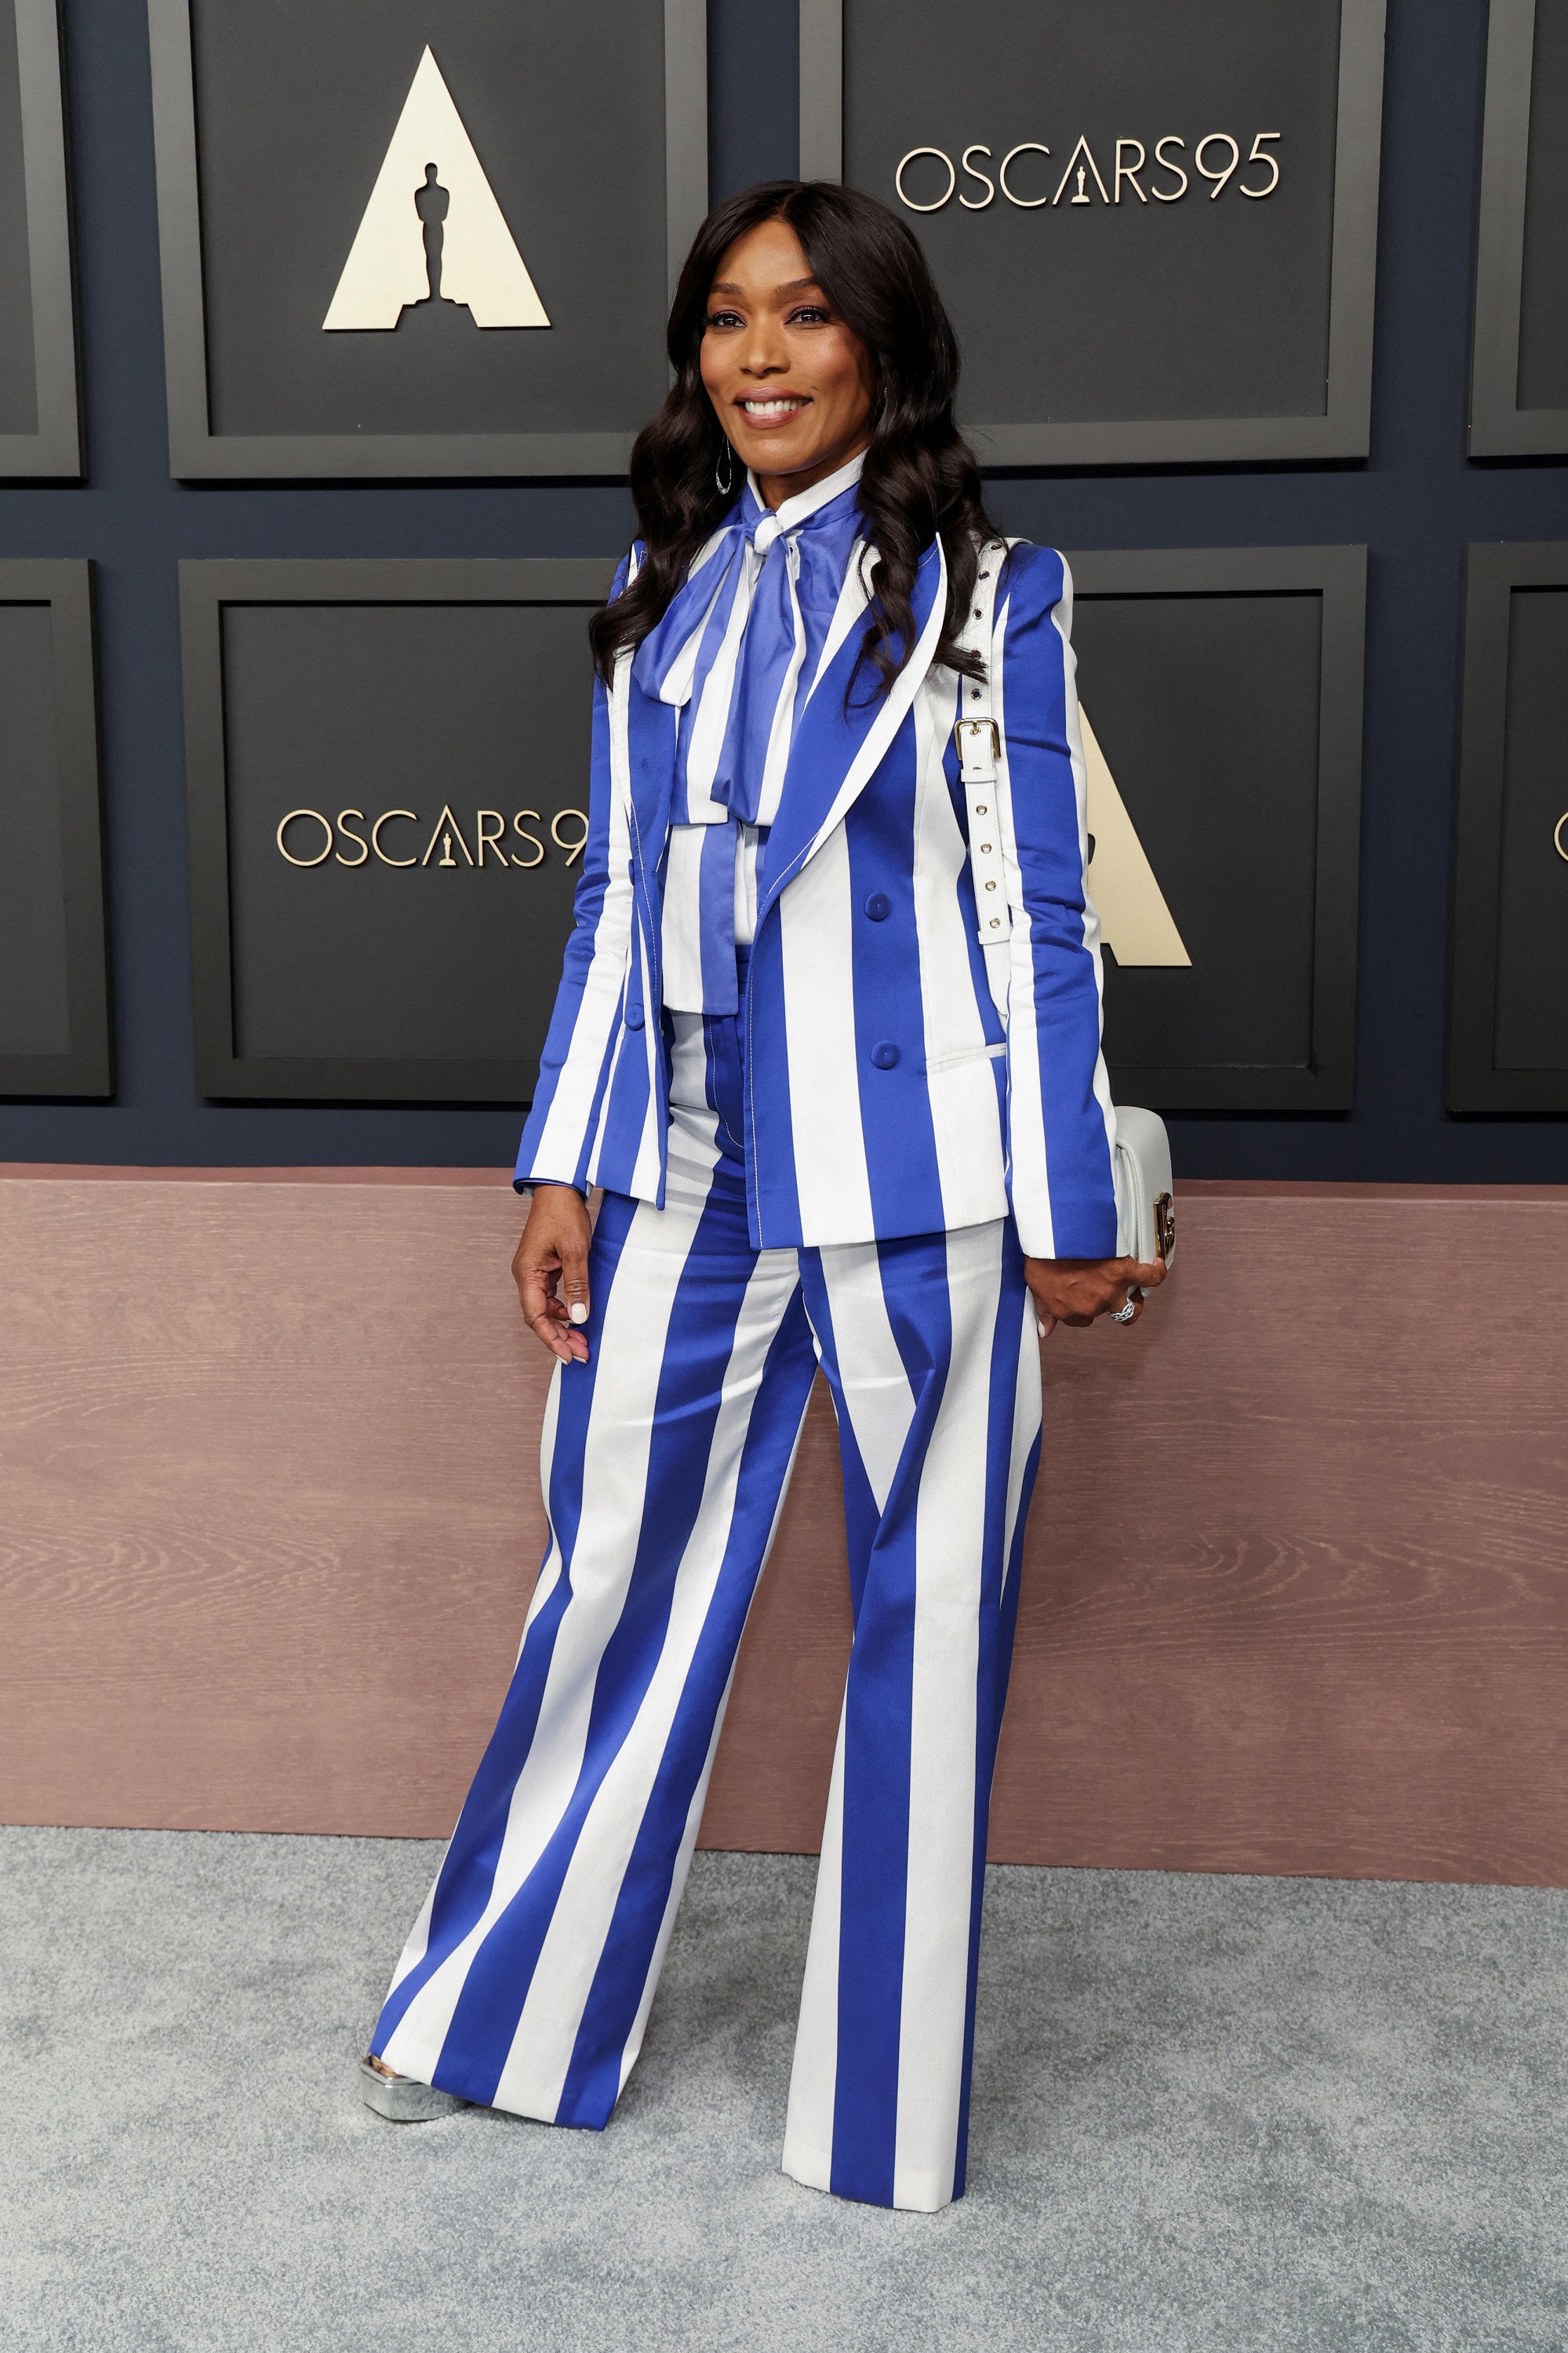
[
  {"x": 1216, "y": 158},
  {"x": 447, "y": 836}
]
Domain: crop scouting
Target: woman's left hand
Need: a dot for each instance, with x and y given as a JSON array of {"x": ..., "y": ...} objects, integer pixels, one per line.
[{"x": 1077, "y": 1290}]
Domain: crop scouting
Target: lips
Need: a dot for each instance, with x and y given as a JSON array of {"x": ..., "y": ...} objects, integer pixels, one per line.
[{"x": 776, "y": 408}]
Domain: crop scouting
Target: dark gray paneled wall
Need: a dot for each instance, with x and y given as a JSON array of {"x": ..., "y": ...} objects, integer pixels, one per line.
[{"x": 1415, "y": 504}]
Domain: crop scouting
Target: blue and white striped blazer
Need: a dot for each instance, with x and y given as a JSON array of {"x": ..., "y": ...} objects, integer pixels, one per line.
[{"x": 885, "y": 1094}]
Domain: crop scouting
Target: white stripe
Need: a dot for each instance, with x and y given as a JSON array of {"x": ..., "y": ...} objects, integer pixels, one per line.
[
  {"x": 961, "y": 1085},
  {"x": 747, "y": 843},
  {"x": 1026, "y": 1420},
  {"x": 533, "y": 2076},
  {"x": 809, "y": 2128},
  {"x": 689, "y": 1066},
  {"x": 939, "y": 1866},
  {"x": 676, "y": 684},
  {"x": 817, "y": 931},
  {"x": 549, "y": 1574},
  {"x": 875, "y": 1384},
  {"x": 1026, "y": 1111},
  {"x": 615, "y": 1476},
  {"x": 682, "y": 921},
  {"x": 565, "y": 1130}
]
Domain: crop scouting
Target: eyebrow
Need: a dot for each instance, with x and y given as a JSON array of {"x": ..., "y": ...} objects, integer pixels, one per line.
[{"x": 790, "y": 286}]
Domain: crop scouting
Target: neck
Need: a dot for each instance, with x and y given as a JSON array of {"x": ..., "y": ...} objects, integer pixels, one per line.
[{"x": 774, "y": 489}]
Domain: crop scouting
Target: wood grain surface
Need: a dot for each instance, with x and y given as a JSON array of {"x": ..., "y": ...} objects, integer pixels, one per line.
[{"x": 1296, "y": 1592}]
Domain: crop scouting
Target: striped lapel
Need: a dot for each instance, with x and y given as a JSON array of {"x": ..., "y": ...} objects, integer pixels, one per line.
[{"x": 837, "y": 751}]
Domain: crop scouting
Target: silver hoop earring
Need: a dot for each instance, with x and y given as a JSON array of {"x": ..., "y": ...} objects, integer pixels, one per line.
[{"x": 724, "y": 483}]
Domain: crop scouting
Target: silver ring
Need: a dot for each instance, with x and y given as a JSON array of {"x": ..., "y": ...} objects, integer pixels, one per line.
[{"x": 1125, "y": 1314}]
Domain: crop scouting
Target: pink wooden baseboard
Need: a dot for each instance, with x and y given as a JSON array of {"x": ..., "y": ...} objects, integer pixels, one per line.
[{"x": 1296, "y": 1596}]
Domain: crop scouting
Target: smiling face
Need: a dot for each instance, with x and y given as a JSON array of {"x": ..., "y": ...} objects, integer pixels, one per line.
[{"x": 792, "y": 385}]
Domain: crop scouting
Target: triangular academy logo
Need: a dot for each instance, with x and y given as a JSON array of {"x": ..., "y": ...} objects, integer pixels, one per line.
[
  {"x": 433, "y": 227},
  {"x": 1136, "y": 924}
]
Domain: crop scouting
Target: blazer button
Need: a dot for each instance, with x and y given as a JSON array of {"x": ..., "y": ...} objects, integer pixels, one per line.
[
  {"x": 879, "y": 906},
  {"x": 886, "y": 1055},
  {"x": 634, "y": 1017}
]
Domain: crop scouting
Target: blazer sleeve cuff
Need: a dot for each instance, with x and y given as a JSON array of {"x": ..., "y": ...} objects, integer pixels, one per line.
[{"x": 1072, "y": 1228}]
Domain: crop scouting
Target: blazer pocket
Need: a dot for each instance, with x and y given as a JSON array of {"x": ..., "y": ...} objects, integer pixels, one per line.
[{"x": 937, "y": 1063}]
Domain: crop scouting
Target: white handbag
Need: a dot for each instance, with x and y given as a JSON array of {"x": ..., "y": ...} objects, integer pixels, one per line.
[
  {"x": 1145, "y": 1194},
  {"x": 1145, "y": 1197}
]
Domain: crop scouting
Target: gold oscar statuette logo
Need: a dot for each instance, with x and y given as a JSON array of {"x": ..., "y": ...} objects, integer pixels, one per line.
[
  {"x": 432, "y": 228},
  {"x": 1136, "y": 924}
]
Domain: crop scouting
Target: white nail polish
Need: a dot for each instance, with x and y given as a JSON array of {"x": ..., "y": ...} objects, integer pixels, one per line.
[{"x": 579, "y": 1312}]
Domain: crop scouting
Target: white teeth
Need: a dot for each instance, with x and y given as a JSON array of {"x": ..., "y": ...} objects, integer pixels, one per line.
[{"x": 771, "y": 407}]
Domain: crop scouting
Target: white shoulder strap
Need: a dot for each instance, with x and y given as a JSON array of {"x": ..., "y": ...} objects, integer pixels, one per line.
[{"x": 978, "y": 740}]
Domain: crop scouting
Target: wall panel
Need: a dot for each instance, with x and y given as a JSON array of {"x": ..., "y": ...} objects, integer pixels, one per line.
[
  {"x": 1519, "y": 382},
  {"x": 1295, "y": 1592},
  {"x": 1156, "y": 229},
  {"x": 421, "y": 237},
  {"x": 1508, "y": 1022},
  {"x": 1415, "y": 500},
  {"x": 40, "y": 433},
  {"x": 54, "y": 954}
]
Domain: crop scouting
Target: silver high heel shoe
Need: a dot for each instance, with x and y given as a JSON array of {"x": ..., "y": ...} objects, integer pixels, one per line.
[{"x": 401, "y": 2100}]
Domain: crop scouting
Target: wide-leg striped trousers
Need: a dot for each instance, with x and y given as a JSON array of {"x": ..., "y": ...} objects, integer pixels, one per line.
[{"x": 527, "y": 1979}]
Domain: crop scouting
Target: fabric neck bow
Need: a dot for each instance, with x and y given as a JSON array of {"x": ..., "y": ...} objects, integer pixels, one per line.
[
  {"x": 736, "y": 653},
  {"x": 740, "y": 641}
]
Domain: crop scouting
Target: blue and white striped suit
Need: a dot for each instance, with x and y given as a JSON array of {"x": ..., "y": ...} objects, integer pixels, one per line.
[{"x": 780, "y": 1193}]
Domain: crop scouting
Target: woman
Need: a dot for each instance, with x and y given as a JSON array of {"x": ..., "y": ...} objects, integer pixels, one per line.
[{"x": 829, "y": 1127}]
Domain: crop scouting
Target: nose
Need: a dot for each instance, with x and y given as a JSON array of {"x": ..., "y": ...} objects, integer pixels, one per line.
[{"x": 764, "y": 352}]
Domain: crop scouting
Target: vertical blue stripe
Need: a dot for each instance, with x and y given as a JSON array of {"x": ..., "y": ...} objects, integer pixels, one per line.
[
  {"x": 770, "y": 1136},
  {"x": 889, "y": 1008}
]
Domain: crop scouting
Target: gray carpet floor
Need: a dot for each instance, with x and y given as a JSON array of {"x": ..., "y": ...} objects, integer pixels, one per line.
[{"x": 1212, "y": 2115}]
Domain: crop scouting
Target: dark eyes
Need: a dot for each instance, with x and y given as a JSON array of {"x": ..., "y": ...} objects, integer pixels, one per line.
[{"x": 808, "y": 314}]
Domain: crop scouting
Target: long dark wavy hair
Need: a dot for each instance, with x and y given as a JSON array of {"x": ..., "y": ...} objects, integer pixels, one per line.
[{"x": 920, "y": 482}]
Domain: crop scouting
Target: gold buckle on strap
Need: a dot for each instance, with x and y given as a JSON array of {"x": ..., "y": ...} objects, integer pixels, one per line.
[{"x": 995, "y": 736}]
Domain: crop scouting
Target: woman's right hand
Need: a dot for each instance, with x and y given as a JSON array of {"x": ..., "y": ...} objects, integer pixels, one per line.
[{"x": 555, "y": 1248}]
